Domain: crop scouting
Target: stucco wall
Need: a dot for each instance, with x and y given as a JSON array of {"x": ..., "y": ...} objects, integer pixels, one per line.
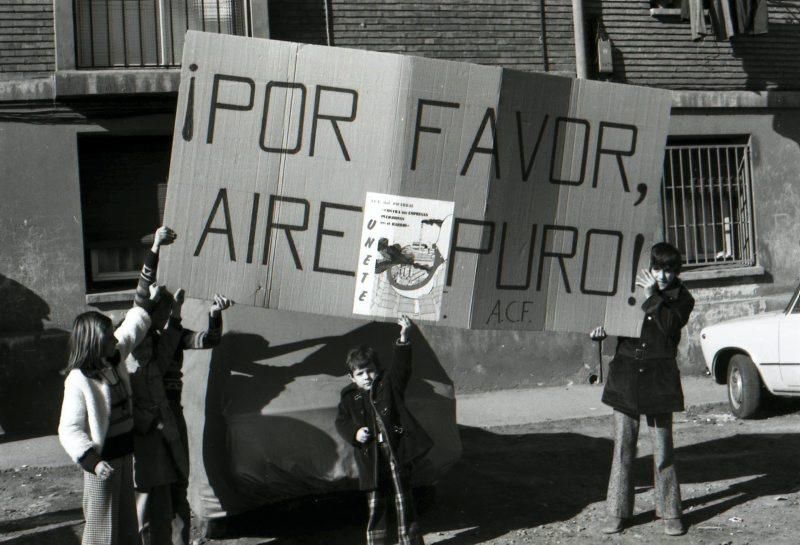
[
  {"x": 42, "y": 269},
  {"x": 40, "y": 229},
  {"x": 775, "y": 140},
  {"x": 42, "y": 278}
]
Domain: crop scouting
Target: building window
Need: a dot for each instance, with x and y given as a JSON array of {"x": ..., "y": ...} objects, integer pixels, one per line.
[
  {"x": 707, "y": 203},
  {"x": 136, "y": 33},
  {"x": 123, "y": 189}
]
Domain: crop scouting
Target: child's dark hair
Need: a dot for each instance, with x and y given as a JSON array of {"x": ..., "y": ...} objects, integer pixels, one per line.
[
  {"x": 665, "y": 257},
  {"x": 360, "y": 357},
  {"x": 86, "y": 341}
]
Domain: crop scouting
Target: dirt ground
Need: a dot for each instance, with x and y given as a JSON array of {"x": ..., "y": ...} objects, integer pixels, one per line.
[{"x": 534, "y": 484}]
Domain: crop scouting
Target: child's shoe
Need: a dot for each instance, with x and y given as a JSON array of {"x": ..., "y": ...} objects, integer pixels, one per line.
[
  {"x": 615, "y": 525},
  {"x": 674, "y": 527}
]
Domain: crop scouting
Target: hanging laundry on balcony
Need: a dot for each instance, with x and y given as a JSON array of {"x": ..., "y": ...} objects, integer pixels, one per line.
[
  {"x": 693, "y": 11},
  {"x": 720, "y": 13},
  {"x": 752, "y": 16},
  {"x": 726, "y": 18}
]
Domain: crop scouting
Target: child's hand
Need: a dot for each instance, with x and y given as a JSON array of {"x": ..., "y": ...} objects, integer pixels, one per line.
[
  {"x": 155, "y": 291},
  {"x": 179, "y": 298},
  {"x": 405, "y": 323},
  {"x": 363, "y": 435},
  {"x": 220, "y": 303},
  {"x": 163, "y": 237},
  {"x": 598, "y": 334},
  {"x": 103, "y": 470},
  {"x": 647, "y": 282}
]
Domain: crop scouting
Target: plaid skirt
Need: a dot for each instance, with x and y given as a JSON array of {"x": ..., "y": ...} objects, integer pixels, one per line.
[
  {"x": 391, "y": 487},
  {"x": 109, "y": 506}
]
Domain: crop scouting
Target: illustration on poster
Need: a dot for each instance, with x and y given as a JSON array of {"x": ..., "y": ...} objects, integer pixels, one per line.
[{"x": 407, "y": 239}]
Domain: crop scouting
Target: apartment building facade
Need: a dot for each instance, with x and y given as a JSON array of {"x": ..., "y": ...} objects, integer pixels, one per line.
[{"x": 87, "y": 108}]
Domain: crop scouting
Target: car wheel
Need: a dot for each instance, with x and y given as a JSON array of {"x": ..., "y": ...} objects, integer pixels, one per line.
[{"x": 744, "y": 387}]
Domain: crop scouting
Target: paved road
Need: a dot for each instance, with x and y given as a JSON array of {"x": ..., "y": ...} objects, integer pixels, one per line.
[{"x": 540, "y": 481}]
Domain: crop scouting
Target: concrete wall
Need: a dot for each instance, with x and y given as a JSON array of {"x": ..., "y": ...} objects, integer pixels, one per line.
[
  {"x": 41, "y": 270},
  {"x": 42, "y": 275},
  {"x": 42, "y": 279},
  {"x": 775, "y": 139},
  {"x": 42, "y": 282}
]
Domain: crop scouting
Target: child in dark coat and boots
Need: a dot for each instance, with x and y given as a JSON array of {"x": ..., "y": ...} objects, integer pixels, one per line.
[
  {"x": 644, "y": 379},
  {"x": 373, "y": 418},
  {"x": 161, "y": 458},
  {"x": 173, "y": 385}
]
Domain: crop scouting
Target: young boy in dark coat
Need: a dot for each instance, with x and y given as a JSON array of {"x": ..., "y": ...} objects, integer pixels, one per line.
[
  {"x": 373, "y": 418},
  {"x": 161, "y": 460},
  {"x": 644, "y": 379}
]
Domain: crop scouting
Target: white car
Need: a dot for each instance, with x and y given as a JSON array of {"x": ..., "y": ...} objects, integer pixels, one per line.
[{"x": 753, "y": 353}]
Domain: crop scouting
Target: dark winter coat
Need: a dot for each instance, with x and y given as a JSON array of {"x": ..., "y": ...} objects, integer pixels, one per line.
[
  {"x": 643, "y": 377},
  {"x": 408, "y": 441}
]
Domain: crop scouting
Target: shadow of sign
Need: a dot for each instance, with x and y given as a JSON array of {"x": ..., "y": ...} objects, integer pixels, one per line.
[
  {"x": 30, "y": 358},
  {"x": 261, "y": 411}
]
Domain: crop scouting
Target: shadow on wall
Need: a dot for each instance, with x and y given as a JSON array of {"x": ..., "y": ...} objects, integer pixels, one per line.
[
  {"x": 271, "y": 456},
  {"x": 764, "y": 56},
  {"x": 23, "y": 310},
  {"x": 30, "y": 357}
]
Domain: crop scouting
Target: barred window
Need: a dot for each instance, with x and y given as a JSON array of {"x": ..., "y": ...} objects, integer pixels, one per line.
[{"x": 707, "y": 203}]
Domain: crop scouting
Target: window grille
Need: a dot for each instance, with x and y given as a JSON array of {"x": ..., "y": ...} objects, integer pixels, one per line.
[
  {"x": 148, "y": 33},
  {"x": 707, "y": 204}
]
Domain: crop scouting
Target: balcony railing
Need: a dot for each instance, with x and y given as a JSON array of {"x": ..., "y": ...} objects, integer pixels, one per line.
[{"x": 148, "y": 33}]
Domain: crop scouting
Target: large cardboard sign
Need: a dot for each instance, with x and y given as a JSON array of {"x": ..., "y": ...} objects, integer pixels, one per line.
[{"x": 554, "y": 182}]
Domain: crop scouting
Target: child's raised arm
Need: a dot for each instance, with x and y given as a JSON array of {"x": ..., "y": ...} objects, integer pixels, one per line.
[
  {"x": 211, "y": 336},
  {"x": 401, "y": 366},
  {"x": 162, "y": 237},
  {"x": 405, "y": 324}
]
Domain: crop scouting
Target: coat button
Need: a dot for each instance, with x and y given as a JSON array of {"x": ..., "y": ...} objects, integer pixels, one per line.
[
  {"x": 641, "y": 369},
  {"x": 644, "y": 345},
  {"x": 649, "y": 317}
]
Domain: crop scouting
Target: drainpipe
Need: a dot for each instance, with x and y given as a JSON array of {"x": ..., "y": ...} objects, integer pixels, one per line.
[
  {"x": 581, "y": 67},
  {"x": 328, "y": 22},
  {"x": 543, "y": 37}
]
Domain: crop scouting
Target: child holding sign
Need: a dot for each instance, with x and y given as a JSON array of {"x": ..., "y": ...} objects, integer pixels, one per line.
[
  {"x": 173, "y": 384},
  {"x": 387, "y": 440},
  {"x": 161, "y": 461},
  {"x": 644, "y": 379}
]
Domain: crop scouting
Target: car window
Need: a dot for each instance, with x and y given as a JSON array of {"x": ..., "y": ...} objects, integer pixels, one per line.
[{"x": 793, "y": 307}]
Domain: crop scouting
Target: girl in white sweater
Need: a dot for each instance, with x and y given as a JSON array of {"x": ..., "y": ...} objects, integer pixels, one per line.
[{"x": 96, "y": 426}]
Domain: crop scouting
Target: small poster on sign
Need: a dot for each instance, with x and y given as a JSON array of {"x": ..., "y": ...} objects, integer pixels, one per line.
[{"x": 405, "y": 242}]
